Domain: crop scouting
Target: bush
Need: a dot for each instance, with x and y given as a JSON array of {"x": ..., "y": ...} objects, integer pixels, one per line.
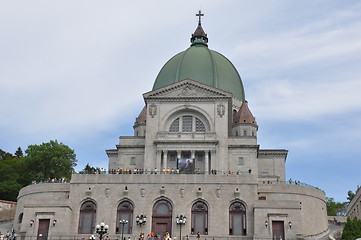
[{"x": 352, "y": 229}]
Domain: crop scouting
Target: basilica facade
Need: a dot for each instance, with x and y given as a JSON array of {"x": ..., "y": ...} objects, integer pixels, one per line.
[{"x": 192, "y": 169}]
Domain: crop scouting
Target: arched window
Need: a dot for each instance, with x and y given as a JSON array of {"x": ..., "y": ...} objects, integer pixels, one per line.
[
  {"x": 87, "y": 218},
  {"x": 187, "y": 123},
  {"x": 237, "y": 219},
  {"x": 174, "y": 127},
  {"x": 162, "y": 208},
  {"x": 125, "y": 212},
  {"x": 20, "y": 219},
  {"x": 200, "y": 218}
]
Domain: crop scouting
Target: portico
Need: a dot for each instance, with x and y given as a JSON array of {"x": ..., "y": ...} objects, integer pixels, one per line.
[{"x": 202, "y": 159}]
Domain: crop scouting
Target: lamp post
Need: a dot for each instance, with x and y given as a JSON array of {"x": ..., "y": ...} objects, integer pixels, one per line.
[
  {"x": 181, "y": 220},
  {"x": 123, "y": 222},
  {"x": 142, "y": 219},
  {"x": 101, "y": 229}
]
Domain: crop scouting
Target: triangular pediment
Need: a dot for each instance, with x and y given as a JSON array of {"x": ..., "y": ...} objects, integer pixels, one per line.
[{"x": 188, "y": 89}]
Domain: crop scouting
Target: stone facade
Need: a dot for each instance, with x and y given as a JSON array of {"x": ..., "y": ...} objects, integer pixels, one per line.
[
  {"x": 246, "y": 174},
  {"x": 194, "y": 153},
  {"x": 354, "y": 208},
  {"x": 302, "y": 206}
]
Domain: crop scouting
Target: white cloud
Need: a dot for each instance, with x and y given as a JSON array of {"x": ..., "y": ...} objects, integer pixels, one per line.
[
  {"x": 298, "y": 101},
  {"x": 313, "y": 44}
]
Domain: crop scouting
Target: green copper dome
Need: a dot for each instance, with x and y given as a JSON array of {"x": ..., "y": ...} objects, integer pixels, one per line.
[{"x": 201, "y": 64}]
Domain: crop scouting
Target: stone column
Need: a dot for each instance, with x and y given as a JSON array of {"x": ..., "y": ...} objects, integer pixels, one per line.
[
  {"x": 158, "y": 160},
  {"x": 213, "y": 160},
  {"x": 193, "y": 154},
  {"x": 165, "y": 157},
  {"x": 206, "y": 161},
  {"x": 179, "y": 153}
]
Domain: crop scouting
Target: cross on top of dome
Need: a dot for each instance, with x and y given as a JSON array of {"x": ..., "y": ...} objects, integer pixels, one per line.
[
  {"x": 199, "y": 15},
  {"x": 199, "y": 37}
]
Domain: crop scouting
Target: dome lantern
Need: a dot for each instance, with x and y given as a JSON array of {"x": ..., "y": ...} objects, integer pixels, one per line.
[{"x": 199, "y": 36}]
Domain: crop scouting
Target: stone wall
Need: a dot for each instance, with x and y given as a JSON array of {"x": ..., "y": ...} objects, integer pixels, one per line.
[
  {"x": 354, "y": 208},
  {"x": 7, "y": 210},
  {"x": 303, "y": 206}
]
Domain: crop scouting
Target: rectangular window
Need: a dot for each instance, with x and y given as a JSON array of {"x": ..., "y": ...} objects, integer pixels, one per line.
[
  {"x": 132, "y": 161},
  {"x": 200, "y": 157},
  {"x": 187, "y": 123},
  {"x": 172, "y": 157},
  {"x": 240, "y": 161}
]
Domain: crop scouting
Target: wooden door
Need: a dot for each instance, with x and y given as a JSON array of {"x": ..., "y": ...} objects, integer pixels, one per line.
[
  {"x": 278, "y": 232},
  {"x": 43, "y": 229},
  {"x": 161, "y": 226}
]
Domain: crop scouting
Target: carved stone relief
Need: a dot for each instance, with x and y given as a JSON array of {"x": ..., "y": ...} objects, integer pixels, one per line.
[
  {"x": 181, "y": 192},
  {"x": 153, "y": 110},
  {"x": 142, "y": 192},
  {"x": 221, "y": 109},
  {"x": 188, "y": 91}
]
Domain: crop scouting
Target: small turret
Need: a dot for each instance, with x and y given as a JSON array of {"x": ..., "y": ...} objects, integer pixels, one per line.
[
  {"x": 140, "y": 123},
  {"x": 244, "y": 123}
]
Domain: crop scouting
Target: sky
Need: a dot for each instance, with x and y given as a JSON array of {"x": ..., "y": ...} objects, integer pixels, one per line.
[{"x": 75, "y": 71}]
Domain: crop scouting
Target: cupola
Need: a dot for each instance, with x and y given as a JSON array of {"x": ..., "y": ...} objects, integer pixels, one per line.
[{"x": 201, "y": 64}]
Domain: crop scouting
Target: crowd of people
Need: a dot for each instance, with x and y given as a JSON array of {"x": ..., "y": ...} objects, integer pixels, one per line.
[
  {"x": 8, "y": 236},
  {"x": 294, "y": 182},
  {"x": 52, "y": 180},
  {"x": 277, "y": 181},
  {"x": 162, "y": 171},
  {"x": 153, "y": 236}
]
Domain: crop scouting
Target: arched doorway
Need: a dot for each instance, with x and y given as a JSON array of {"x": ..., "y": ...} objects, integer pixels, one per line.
[{"x": 162, "y": 218}]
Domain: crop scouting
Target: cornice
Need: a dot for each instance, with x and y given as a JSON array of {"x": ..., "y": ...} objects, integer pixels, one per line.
[
  {"x": 215, "y": 142},
  {"x": 275, "y": 152},
  {"x": 189, "y": 94},
  {"x": 130, "y": 146},
  {"x": 244, "y": 146},
  {"x": 111, "y": 152},
  {"x": 187, "y": 99}
]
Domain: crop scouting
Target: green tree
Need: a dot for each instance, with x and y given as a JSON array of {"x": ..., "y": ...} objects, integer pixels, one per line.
[
  {"x": 5, "y": 155},
  {"x": 335, "y": 208},
  {"x": 10, "y": 174},
  {"x": 49, "y": 160},
  {"x": 352, "y": 229},
  {"x": 88, "y": 169},
  {"x": 19, "y": 153},
  {"x": 350, "y": 195}
]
